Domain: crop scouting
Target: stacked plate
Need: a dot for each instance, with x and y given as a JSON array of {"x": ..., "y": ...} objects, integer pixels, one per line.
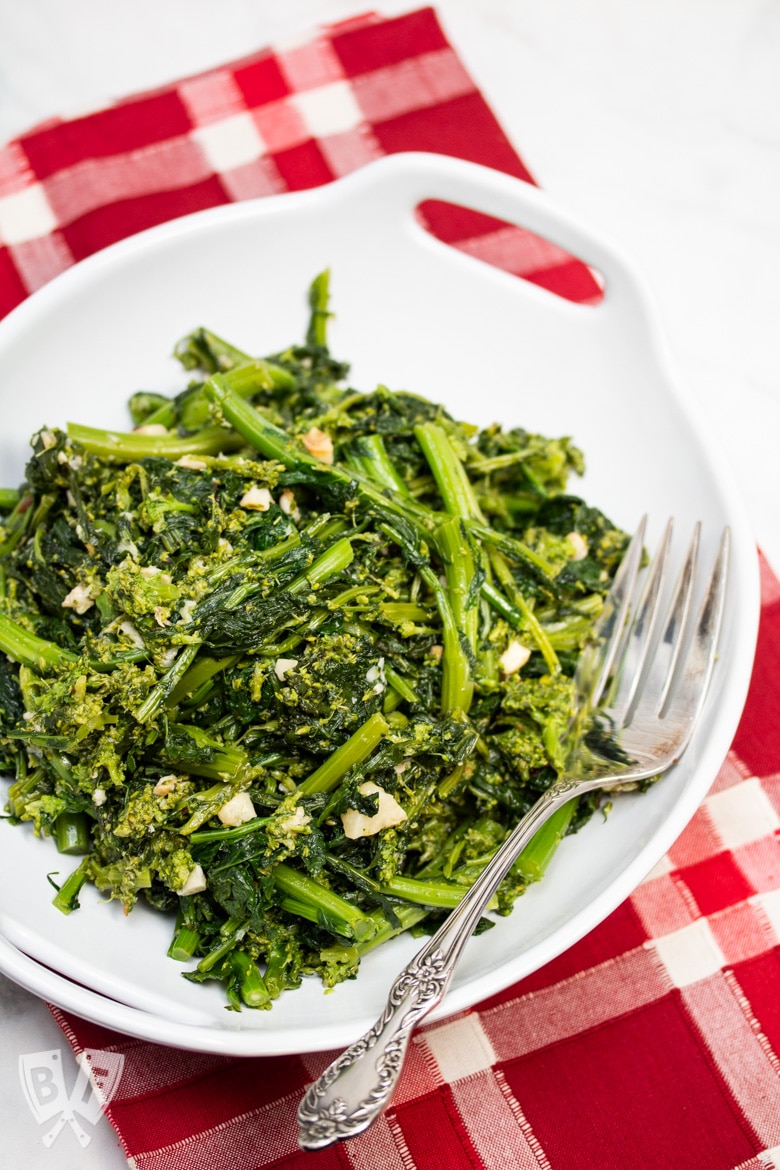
[{"x": 415, "y": 314}]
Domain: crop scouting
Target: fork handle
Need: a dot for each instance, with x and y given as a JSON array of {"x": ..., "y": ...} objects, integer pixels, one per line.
[{"x": 354, "y": 1090}]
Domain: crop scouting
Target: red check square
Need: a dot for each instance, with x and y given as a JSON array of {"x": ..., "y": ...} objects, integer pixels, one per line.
[
  {"x": 716, "y": 882},
  {"x": 262, "y": 82},
  {"x": 635, "y": 1092}
]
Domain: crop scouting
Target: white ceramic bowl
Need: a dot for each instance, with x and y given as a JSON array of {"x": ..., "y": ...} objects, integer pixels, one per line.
[{"x": 413, "y": 313}]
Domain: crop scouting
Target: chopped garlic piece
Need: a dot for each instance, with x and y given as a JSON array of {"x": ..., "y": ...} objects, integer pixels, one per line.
[
  {"x": 79, "y": 599},
  {"x": 99, "y": 796},
  {"x": 376, "y": 676},
  {"x": 296, "y": 821},
  {"x": 283, "y": 665},
  {"x": 514, "y": 657},
  {"x": 237, "y": 810},
  {"x": 287, "y": 502},
  {"x": 150, "y": 429},
  {"x": 48, "y": 438},
  {"x": 258, "y": 499},
  {"x": 579, "y": 544},
  {"x": 161, "y": 616},
  {"x": 186, "y": 610},
  {"x": 195, "y": 883},
  {"x": 129, "y": 630},
  {"x": 192, "y": 463},
  {"x": 436, "y": 652},
  {"x": 127, "y": 546},
  {"x": 389, "y": 813},
  {"x": 74, "y": 462},
  {"x": 165, "y": 785},
  {"x": 318, "y": 444}
]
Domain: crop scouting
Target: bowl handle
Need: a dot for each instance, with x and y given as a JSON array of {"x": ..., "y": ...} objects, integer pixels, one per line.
[{"x": 406, "y": 179}]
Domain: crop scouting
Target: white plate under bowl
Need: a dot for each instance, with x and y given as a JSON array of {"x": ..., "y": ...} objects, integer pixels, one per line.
[{"x": 413, "y": 313}]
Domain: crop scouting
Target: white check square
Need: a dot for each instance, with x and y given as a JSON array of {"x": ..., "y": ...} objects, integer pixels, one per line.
[
  {"x": 689, "y": 954},
  {"x": 230, "y": 143},
  {"x": 460, "y": 1048},
  {"x": 742, "y": 813},
  {"x": 329, "y": 109},
  {"x": 26, "y": 215}
]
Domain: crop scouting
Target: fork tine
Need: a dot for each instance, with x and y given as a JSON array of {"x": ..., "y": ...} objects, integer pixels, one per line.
[
  {"x": 601, "y": 650},
  {"x": 612, "y": 628},
  {"x": 676, "y": 626},
  {"x": 690, "y": 687},
  {"x": 641, "y": 638},
  {"x": 662, "y": 667}
]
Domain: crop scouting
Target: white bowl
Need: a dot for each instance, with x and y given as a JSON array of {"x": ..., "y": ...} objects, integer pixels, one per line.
[{"x": 416, "y": 314}]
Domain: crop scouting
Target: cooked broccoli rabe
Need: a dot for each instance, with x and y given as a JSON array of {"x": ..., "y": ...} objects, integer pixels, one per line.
[{"x": 289, "y": 659}]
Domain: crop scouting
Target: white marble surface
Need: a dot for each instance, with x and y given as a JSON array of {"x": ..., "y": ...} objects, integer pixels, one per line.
[{"x": 657, "y": 122}]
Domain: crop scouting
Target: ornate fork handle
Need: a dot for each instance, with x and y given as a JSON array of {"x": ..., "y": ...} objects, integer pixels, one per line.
[{"x": 354, "y": 1089}]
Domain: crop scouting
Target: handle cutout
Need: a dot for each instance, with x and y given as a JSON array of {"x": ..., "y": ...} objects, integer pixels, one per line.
[{"x": 513, "y": 249}]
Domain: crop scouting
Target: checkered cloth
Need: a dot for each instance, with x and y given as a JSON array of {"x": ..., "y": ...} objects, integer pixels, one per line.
[
  {"x": 653, "y": 1042},
  {"x": 282, "y": 120}
]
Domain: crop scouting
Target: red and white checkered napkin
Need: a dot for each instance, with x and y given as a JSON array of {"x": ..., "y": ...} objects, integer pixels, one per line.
[
  {"x": 281, "y": 120},
  {"x": 653, "y": 1042}
]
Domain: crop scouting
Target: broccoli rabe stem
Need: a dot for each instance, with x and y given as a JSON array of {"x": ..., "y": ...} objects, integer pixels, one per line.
[
  {"x": 400, "y": 685},
  {"x": 517, "y": 611},
  {"x": 543, "y": 572},
  {"x": 251, "y": 987},
  {"x": 200, "y": 673},
  {"x": 247, "y": 380},
  {"x": 319, "y": 296},
  {"x": 358, "y": 748},
  {"x": 404, "y": 918},
  {"x": 67, "y": 898},
  {"x": 264, "y": 436},
  {"x": 437, "y": 895},
  {"x": 370, "y": 457},
  {"x": 71, "y": 833},
  {"x": 308, "y": 897},
  {"x": 9, "y": 498},
  {"x": 186, "y": 939},
  {"x": 129, "y": 448},
  {"x": 232, "y": 932},
  {"x": 204, "y": 836},
  {"x": 332, "y": 562},
  {"x": 448, "y": 471},
  {"x": 538, "y": 853},
  {"x": 29, "y": 650},
  {"x": 204, "y": 350},
  {"x": 15, "y": 524},
  {"x": 184, "y": 944},
  {"x": 227, "y": 761},
  {"x": 275, "y": 443},
  {"x": 459, "y": 572},
  {"x": 457, "y": 685},
  {"x": 173, "y": 675},
  {"x": 464, "y": 561}
]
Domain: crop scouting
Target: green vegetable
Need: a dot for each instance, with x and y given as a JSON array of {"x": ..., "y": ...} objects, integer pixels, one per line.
[{"x": 259, "y": 659}]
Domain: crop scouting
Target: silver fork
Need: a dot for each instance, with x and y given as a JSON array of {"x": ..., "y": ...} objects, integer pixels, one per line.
[{"x": 647, "y": 671}]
